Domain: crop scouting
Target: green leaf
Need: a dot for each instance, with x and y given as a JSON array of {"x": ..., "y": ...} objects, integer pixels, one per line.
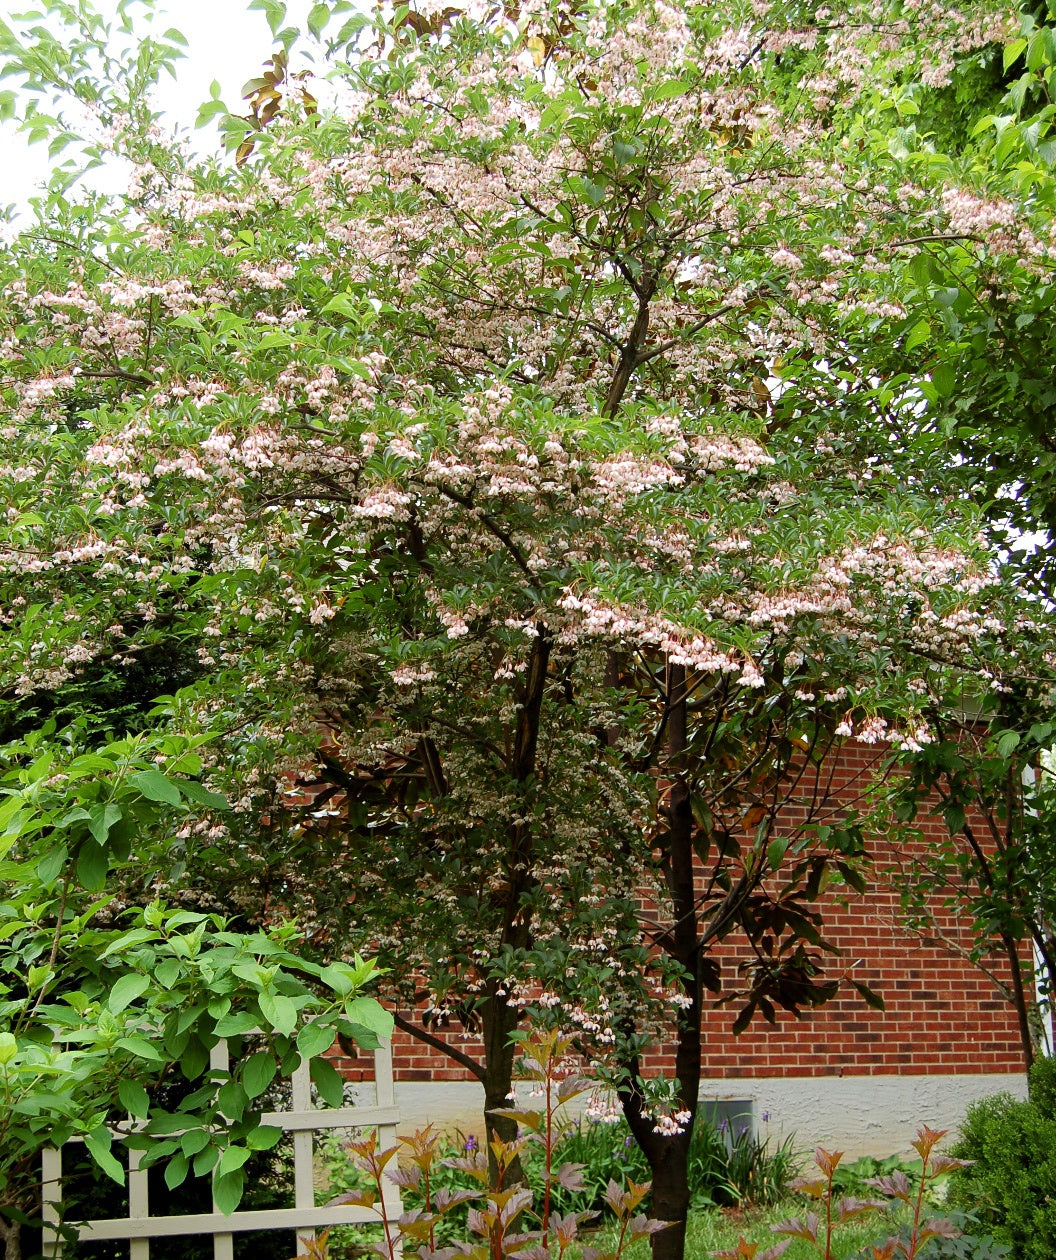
[
  {"x": 155, "y": 787},
  {"x": 263, "y": 1138},
  {"x": 91, "y": 866},
  {"x": 701, "y": 810},
  {"x": 338, "y": 976},
  {"x": 135, "y": 936},
  {"x": 918, "y": 335},
  {"x": 194, "y": 791},
  {"x": 10, "y": 811},
  {"x": 852, "y": 877},
  {"x": 922, "y": 268},
  {"x": 134, "y": 1098},
  {"x": 587, "y": 190},
  {"x": 371, "y": 1014},
  {"x": 744, "y": 1018},
  {"x": 232, "y": 1159},
  {"x": 314, "y": 1038},
  {"x": 1013, "y": 52},
  {"x": 141, "y": 1048},
  {"x": 343, "y": 304},
  {"x": 51, "y": 864},
  {"x": 669, "y": 90},
  {"x": 273, "y": 339},
  {"x": 232, "y": 1100},
  {"x": 273, "y": 10},
  {"x": 176, "y": 1171},
  {"x": 279, "y": 1011},
  {"x": 126, "y": 990},
  {"x": 194, "y": 1140},
  {"x": 775, "y": 853},
  {"x": 944, "y": 379},
  {"x": 227, "y": 1190},
  {"x": 98, "y": 1144},
  {"x": 318, "y": 16},
  {"x": 954, "y": 816},
  {"x": 328, "y": 1082},
  {"x": 1007, "y": 743},
  {"x": 236, "y": 1025},
  {"x": 101, "y": 819},
  {"x": 258, "y": 1072}
]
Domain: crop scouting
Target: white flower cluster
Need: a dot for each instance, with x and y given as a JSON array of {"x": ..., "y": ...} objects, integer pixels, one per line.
[
  {"x": 668, "y": 1125},
  {"x": 604, "y": 1108}
]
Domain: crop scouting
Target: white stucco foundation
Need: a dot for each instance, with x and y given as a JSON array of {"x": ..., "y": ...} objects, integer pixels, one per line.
[{"x": 861, "y": 1115}]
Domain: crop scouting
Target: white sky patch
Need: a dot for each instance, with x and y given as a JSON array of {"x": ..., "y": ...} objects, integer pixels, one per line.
[{"x": 225, "y": 42}]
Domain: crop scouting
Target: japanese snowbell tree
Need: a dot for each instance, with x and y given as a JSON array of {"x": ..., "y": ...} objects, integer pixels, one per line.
[{"x": 466, "y": 432}]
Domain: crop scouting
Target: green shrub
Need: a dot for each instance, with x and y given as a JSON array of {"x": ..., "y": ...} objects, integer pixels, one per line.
[{"x": 1011, "y": 1186}]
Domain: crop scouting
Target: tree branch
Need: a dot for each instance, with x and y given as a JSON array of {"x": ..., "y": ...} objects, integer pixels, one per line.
[{"x": 438, "y": 1043}]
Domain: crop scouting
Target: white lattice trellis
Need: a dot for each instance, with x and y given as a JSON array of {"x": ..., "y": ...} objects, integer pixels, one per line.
[{"x": 303, "y": 1121}]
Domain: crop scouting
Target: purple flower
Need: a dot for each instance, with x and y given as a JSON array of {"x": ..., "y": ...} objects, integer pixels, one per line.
[
  {"x": 766, "y": 1117},
  {"x": 471, "y": 1143}
]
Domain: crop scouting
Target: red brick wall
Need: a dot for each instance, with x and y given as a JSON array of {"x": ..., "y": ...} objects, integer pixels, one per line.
[{"x": 943, "y": 1014}]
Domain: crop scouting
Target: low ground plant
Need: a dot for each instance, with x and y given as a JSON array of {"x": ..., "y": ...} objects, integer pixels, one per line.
[
  {"x": 857, "y": 1178},
  {"x": 735, "y": 1167},
  {"x": 604, "y": 1153}
]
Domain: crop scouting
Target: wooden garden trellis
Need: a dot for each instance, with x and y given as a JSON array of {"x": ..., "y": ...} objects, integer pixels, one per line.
[{"x": 302, "y": 1120}]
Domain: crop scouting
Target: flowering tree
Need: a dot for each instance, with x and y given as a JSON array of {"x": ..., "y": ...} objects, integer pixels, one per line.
[{"x": 468, "y": 436}]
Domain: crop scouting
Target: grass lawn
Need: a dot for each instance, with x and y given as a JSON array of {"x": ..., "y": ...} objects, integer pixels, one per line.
[
  {"x": 709, "y": 1231},
  {"x": 718, "y": 1230}
]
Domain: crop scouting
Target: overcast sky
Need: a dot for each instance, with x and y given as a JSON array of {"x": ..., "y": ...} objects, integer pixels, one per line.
[{"x": 226, "y": 42}]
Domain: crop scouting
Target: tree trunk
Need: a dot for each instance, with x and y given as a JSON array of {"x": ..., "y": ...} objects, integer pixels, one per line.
[
  {"x": 1019, "y": 999},
  {"x": 498, "y": 1017},
  {"x": 11, "y": 1233},
  {"x": 499, "y": 1021},
  {"x": 671, "y": 1169},
  {"x": 668, "y": 1167},
  {"x": 670, "y": 1196},
  {"x": 668, "y": 1156}
]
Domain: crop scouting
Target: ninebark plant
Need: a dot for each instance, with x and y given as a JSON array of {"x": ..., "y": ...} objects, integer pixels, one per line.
[
  {"x": 818, "y": 1227},
  {"x": 465, "y": 422}
]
